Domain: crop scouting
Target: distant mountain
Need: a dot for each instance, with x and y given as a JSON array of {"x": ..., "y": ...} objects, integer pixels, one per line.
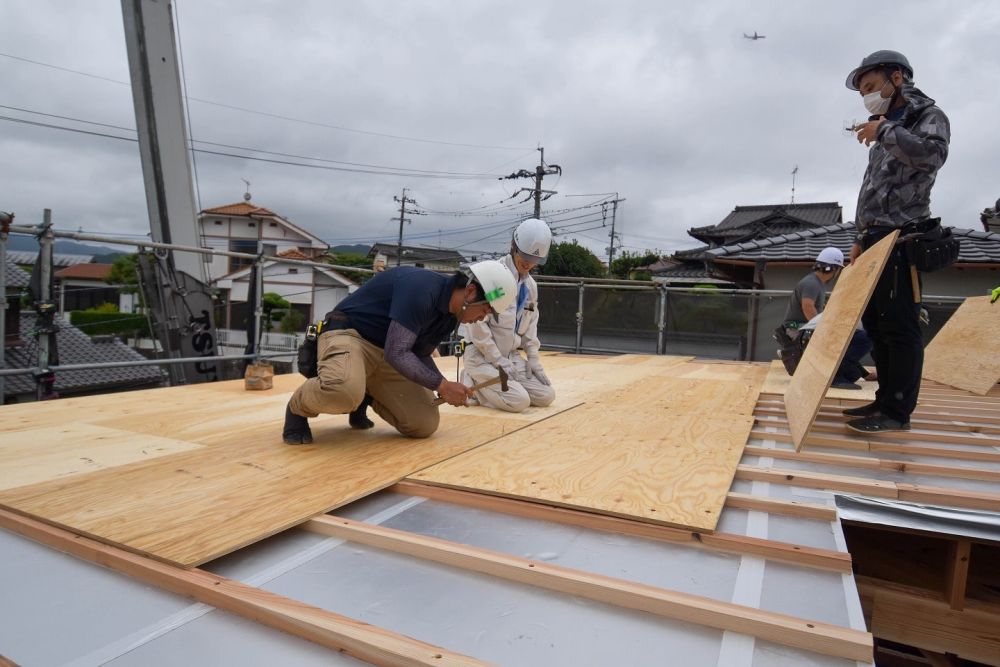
[
  {"x": 357, "y": 248},
  {"x": 66, "y": 247}
]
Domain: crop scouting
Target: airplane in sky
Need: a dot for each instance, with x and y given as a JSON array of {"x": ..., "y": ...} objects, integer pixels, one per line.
[{"x": 754, "y": 36}]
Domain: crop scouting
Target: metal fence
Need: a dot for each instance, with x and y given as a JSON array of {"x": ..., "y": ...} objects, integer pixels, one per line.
[{"x": 606, "y": 316}]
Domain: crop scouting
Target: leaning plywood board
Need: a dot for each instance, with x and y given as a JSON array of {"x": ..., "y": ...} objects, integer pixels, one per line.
[
  {"x": 228, "y": 480},
  {"x": 966, "y": 352},
  {"x": 829, "y": 342},
  {"x": 651, "y": 451},
  {"x": 778, "y": 380}
]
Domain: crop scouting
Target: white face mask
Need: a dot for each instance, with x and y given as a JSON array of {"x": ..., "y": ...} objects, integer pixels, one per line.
[{"x": 876, "y": 104}]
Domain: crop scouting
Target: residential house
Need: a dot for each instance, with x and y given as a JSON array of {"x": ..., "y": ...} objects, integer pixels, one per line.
[
  {"x": 744, "y": 223},
  {"x": 26, "y": 259},
  {"x": 241, "y": 227},
  {"x": 83, "y": 286},
  {"x": 312, "y": 291},
  {"x": 384, "y": 256}
]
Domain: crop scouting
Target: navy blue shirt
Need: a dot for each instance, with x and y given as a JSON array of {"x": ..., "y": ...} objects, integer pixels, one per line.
[{"x": 416, "y": 298}]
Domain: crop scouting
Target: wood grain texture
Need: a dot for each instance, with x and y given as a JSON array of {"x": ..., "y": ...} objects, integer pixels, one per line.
[
  {"x": 341, "y": 633},
  {"x": 61, "y": 451},
  {"x": 788, "y": 630},
  {"x": 237, "y": 484},
  {"x": 778, "y": 381},
  {"x": 964, "y": 353},
  {"x": 829, "y": 342},
  {"x": 661, "y": 450}
]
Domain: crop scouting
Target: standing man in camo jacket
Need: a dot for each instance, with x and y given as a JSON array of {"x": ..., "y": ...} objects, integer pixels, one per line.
[{"x": 908, "y": 136}]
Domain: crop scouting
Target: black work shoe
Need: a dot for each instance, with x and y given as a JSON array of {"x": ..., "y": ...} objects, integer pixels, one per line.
[
  {"x": 297, "y": 430},
  {"x": 359, "y": 417},
  {"x": 844, "y": 384},
  {"x": 863, "y": 410},
  {"x": 877, "y": 424}
]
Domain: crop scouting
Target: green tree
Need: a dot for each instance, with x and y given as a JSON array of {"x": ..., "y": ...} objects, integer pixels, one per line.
[
  {"x": 124, "y": 271},
  {"x": 627, "y": 262},
  {"x": 292, "y": 322},
  {"x": 352, "y": 259},
  {"x": 272, "y": 304},
  {"x": 571, "y": 259}
]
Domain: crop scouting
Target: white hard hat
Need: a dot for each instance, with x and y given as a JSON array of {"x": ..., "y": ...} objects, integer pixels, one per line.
[
  {"x": 532, "y": 239},
  {"x": 832, "y": 256},
  {"x": 497, "y": 282}
]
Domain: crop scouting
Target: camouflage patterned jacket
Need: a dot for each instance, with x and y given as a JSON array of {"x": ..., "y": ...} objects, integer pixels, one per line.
[{"x": 903, "y": 164}]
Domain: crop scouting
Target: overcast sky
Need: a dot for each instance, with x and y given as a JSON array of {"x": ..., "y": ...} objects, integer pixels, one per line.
[{"x": 664, "y": 103}]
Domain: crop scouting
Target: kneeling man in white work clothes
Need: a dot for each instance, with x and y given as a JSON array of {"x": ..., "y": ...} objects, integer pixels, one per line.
[{"x": 496, "y": 343}]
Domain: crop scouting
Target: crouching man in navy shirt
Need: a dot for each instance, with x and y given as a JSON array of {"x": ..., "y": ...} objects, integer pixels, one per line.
[{"x": 376, "y": 346}]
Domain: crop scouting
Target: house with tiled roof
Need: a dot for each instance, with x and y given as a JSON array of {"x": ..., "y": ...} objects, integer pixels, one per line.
[
  {"x": 74, "y": 347},
  {"x": 240, "y": 227},
  {"x": 743, "y": 224},
  {"x": 384, "y": 255},
  {"x": 83, "y": 286},
  {"x": 779, "y": 262}
]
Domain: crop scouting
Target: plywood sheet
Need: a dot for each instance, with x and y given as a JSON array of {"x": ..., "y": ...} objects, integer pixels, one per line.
[
  {"x": 966, "y": 352},
  {"x": 778, "y": 380},
  {"x": 662, "y": 449},
  {"x": 62, "y": 451},
  {"x": 829, "y": 342},
  {"x": 222, "y": 478}
]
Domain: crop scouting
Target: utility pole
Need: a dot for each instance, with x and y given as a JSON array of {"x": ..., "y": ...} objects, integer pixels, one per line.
[
  {"x": 794, "y": 172},
  {"x": 403, "y": 211},
  {"x": 540, "y": 172},
  {"x": 614, "y": 216}
]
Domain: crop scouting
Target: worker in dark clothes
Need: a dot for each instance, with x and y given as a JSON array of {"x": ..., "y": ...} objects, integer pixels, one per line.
[
  {"x": 909, "y": 138},
  {"x": 376, "y": 348},
  {"x": 806, "y": 307}
]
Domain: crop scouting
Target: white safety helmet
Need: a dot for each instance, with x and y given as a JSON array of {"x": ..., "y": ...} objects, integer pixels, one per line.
[
  {"x": 532, "y": 239},
  {"x": 831, "y": 256},
  {"x": 497, "y": 282}
]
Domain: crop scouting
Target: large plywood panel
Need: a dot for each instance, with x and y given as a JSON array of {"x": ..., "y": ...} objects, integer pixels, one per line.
[
  {"x": 222, "y": 477},
  {"x": 62, "y": 451},
  {"x": 778, "y": 380},
  {"x": 829, "y": 342},
  {"x": 662, "y": 449},
  {"x": 966, "y": 352}
]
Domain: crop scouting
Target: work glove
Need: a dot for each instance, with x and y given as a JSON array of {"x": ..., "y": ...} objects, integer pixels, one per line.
[
  {"x": 996, "y": 295},
  {"x": 536, "y": 371},
  {"x": 507, "y": 366}
]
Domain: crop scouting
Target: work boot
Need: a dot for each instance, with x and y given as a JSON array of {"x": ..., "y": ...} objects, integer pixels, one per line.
[
  {"x": 863, "y": 410},
  {"x": 296, "y": 430},
  {"x": 845, "y": 384},
  {"x": 359, "y": 417},
  {"x": 877, "y": 424}
]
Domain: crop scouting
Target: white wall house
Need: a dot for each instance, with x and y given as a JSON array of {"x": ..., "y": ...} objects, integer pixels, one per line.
[{"x": 240, "y": 228}]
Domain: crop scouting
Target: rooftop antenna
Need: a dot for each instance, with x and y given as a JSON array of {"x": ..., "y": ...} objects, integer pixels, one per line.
[
  {"x": 794, "y": 172},
  {"x": 246, "y": 195}
]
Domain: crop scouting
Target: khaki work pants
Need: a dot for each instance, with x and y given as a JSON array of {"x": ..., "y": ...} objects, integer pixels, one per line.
[{"x": 349, "y": 366}]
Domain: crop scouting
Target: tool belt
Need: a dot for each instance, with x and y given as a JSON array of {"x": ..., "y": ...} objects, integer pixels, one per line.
[
  {"x": 791, "y": 344},
  {"x": 308, "y": 352},
  {"x": 929, "y": 246}
]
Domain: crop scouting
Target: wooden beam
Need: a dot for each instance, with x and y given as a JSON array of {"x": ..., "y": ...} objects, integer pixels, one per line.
[
  {"x": 946, "y": 437},
  {"x": 815, "y": 480},
  {"x": 860, "y": 444},
  {"x": 919, "y": 618},
  {"x": 940, "y": 659},
  {"x": 958, "y": 573},
  {"x": 870, "y": 463},
  {"x": 827, "y": 416},
  {"x": 783, "y": 552},
  {"x": 349, "y": 636},
  {"x": 788, "y": 630},
  {"x": 937, "y": 495},
  {"x": 797, "y": 508}
]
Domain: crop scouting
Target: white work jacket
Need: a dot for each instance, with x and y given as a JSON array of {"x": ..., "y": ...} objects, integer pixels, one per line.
[{"x": 492, "y": 340}]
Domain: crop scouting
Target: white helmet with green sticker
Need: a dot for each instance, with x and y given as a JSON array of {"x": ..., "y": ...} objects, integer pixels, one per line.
[{"x": 497, "y": 283}]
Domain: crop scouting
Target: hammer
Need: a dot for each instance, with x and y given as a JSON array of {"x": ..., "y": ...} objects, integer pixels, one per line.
[{"x": 500, "y": 379}]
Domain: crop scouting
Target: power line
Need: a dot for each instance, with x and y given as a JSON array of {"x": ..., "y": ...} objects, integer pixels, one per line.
[
  {"x": 233, "y": 107},
  {"x": 378, "y": 172}
]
